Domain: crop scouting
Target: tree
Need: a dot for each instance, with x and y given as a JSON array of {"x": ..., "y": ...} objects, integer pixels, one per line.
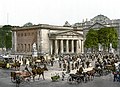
[
  {"x": 28, "y": 24},
  {"x": 104, "y": 36},
  {"x": 108, "y": 35},
  {"x": 91, "y": 39},
  {"x": 6, "y": 35}
]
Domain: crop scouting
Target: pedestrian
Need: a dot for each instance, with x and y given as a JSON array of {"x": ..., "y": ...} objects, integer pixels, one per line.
[
  {"x": 7, "y": 65},
  {"x": 17, "y": 80},
  {"x": 26, "y": 68},
  {"x": 60, "y": 63},
  {"x": 83, "y": 65},
  {"x": 63, "y": 76},
  {"x": 72, "y": 66},
  {"x": 51, "y": 61},
  {"x": 114, "y": 76},
  {"x": 68, "y": 69},
  {"x": 87, "y": 63},
  {"x": 64, "y": 66}
]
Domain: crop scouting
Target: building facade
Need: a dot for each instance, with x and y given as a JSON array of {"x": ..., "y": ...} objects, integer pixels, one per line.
[
  {"x": 100, "y": 21},
  {"x": 49, "y": 39}
]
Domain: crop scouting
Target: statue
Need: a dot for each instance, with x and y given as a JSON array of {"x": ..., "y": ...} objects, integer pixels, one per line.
[
  {"x": 99, "y": 47},
  {"x": 34, "y": 54},
  {"x": 111, "y": 50},
  {"x": 34, "y": 47},
  {"x": 110, "y": 45}
]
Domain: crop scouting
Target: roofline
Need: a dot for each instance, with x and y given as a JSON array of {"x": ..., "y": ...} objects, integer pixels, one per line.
[{"x": 45, "y": 26}]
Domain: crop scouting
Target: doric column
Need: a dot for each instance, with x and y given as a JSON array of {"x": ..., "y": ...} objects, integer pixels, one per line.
[
  {"x": 67, "y": 46},
  {"x": 72, "y": 46},
  {"x": 51, "y": 47},
  {"x": 56, "y": 47},
  {"x": 77, "y": 47},
  {"x": 61, "y": 42},
  {"x": 80, "y": 45}
]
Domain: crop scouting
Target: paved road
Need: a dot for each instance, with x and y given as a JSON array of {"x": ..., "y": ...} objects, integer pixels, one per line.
[{"x": 103, "y": 81}]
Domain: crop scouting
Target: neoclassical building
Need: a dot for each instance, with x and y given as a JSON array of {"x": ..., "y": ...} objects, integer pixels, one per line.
[
  {"x": 100, "y": 21},
  {"x": 49, "y": 39}
]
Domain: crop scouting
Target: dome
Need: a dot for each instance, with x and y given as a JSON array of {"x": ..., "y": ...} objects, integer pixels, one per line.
[{"x": 100, "y": 19}]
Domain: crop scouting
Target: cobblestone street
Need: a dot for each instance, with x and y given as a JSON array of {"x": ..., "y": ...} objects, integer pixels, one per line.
[{"x": 103, "y": 81}]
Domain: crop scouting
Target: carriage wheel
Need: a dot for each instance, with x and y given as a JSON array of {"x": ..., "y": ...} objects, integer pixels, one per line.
[
  {"x": 13, "y": 80},
  {"x": 78, "y": 80},
  {"x": 69, "y": 80}
]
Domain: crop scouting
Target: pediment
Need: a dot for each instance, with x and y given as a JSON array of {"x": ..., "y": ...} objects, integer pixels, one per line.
[
  {"x": 70, "y": 33},
  {"x": 67, "y": 33},
  {"x": 96, "y": 26}
]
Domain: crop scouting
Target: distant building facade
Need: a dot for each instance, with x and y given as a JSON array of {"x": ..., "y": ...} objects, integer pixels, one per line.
[
  {"x": 49, "y": 39},
  {"x": 100, "y": 21}
]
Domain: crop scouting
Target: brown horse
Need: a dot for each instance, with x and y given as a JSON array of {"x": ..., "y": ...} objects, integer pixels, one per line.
[
  {"x": 110, "y": 68},
  {"x": 91, "y": 74},
  {"x": 38, "y": 71},
  {"x": 16, "y": 65}
]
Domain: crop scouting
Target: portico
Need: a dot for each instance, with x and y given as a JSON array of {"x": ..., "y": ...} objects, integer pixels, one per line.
[{"x": 66, "y": 43}]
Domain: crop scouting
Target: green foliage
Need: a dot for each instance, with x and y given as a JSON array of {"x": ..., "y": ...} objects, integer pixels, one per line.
[
  {"x": 6, "y": 37},
  {"x": 104, "y": 36},
  {"x": 91, "y": 39},
  {"x": 107, "y": 36}
]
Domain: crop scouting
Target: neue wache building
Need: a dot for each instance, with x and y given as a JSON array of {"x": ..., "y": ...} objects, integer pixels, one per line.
[{"x": 49, "y": 39}]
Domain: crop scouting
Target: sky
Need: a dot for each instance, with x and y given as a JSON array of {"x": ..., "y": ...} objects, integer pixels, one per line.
[{"x": 55, "y": 12}]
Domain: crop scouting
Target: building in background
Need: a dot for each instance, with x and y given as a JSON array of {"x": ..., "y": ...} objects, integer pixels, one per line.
[
  {"x": 49, "y": 39},
  {"x": 100, "y": 21}
]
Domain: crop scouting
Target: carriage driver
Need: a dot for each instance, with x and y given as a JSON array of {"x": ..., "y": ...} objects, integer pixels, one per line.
[
  {"x": 80, "y": 71},
  {"x": 26, "y": 68}
]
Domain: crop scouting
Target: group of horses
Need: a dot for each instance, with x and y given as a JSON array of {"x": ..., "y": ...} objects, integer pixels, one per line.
[
  {"x": 35, "y": 71},
  {"x": 38, "y": 71},
  {"x": 90, "y": 74}
]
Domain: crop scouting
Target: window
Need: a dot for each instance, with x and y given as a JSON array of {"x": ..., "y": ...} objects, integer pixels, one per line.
[
  {"x": 32, "y": 33},
  {"x": 21, "y": 34},
  {"x": 18, "y": 35},
  {"x": 25, "y": 34}
]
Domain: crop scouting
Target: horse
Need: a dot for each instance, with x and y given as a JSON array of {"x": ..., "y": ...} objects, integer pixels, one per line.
[
  {"x": 16, "y": 65},
  {"x": 110, "y": 68},
  {"x": 38, "y": 71},
  {"x": 91, "y": 74}
]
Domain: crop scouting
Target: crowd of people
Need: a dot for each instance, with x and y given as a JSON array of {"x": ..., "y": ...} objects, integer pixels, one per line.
[
  {"x": 101, "y": 62},
  {"x": 67, "y": 63}
]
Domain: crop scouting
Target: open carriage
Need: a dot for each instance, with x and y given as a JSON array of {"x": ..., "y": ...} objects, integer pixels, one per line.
[
  {"x": 86, "y": 75},
  {"x": 21, "y": 76},
  {"x": 74, "y": 78}
]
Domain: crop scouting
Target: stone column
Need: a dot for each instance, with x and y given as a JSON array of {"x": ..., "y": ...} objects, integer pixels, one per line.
[
  {"x": 67, "y": 46},
  {"x": 82, "y": 46},
  {"x": 14, "y": 42},
  {"x": 77, "y": 47},
  {"x": 61, "y": 42},
  {"x": 51, "y": 47},
  {"x": 72, "y": 46},
  {"x": 56, "y": 47}
]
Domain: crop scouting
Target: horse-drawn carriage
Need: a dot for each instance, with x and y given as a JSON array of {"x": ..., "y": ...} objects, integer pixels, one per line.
[
  {"x": 22, "y": 75},
  {"x": 75, "y": 78},
  {"x": 86, "y": 75}
]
